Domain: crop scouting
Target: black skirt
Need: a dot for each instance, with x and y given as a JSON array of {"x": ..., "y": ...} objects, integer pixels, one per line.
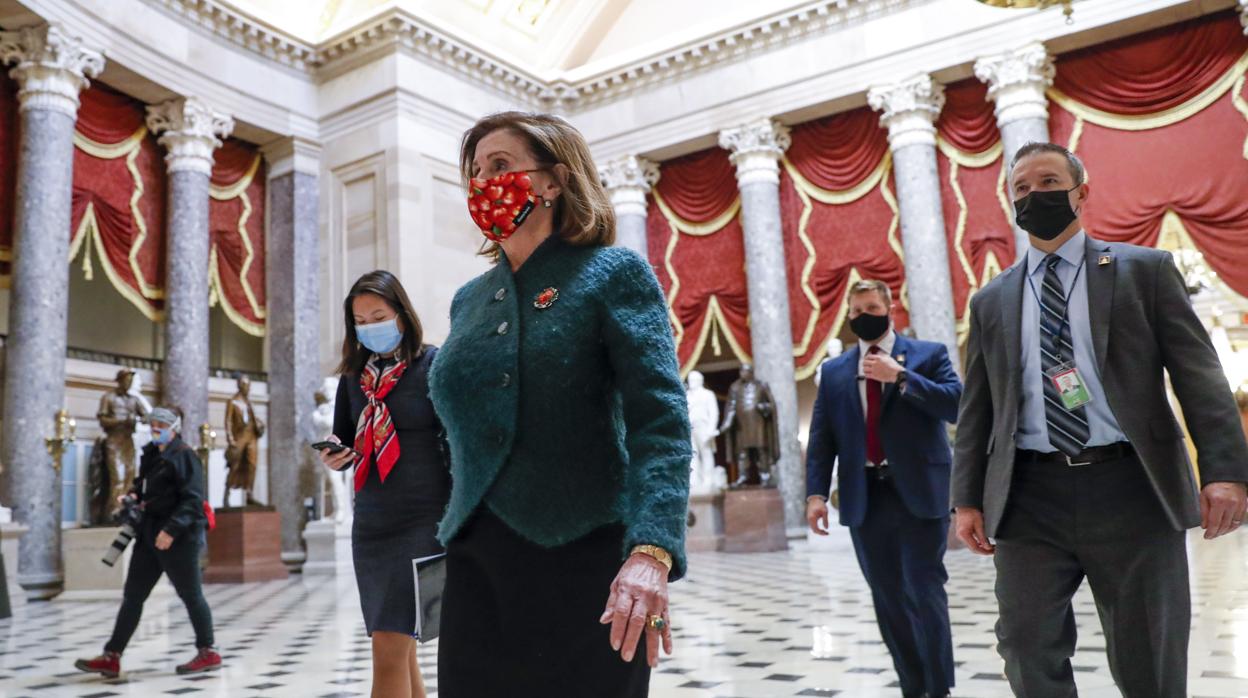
[{"x": 521, "y": 620}]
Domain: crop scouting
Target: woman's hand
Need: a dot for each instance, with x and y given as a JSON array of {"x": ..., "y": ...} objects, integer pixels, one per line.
[
  {"x": 163, "y": 541},
  {"x": 337, "y": 460},
  {"x": 638, "y": 592}
]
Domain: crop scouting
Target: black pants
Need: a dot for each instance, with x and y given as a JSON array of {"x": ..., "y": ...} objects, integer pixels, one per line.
[
  {"x": 1103, "y": 522},
  {"x": 521, "y": 620},
  {"x": 903, "y": 560},
  {"x": 181, "y": 563}
]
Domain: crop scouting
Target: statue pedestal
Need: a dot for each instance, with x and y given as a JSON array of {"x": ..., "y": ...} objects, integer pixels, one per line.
[
  {"x": 10, "y": 534},
  {"x": 321, "y": 539},
  {"x": 754, "y": 521},
  {"x": 246, "y": 546},
  {"x": 706, "y": 523},
  {"x": 87, "y": 578}
]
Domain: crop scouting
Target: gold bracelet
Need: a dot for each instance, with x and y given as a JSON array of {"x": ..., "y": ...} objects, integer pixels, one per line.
[{"x": 655, "y": 552}]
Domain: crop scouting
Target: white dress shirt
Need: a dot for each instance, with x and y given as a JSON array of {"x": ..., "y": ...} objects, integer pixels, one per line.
[{"x": 886, "y": 346}]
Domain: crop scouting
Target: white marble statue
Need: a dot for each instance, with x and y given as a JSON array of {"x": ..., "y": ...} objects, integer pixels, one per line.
[
  {"x": 142, "y": 430},
  {"x": 323, "y": 421},
  {"x": 704, "y": 477},
  {"x": 835, "y": 347}
]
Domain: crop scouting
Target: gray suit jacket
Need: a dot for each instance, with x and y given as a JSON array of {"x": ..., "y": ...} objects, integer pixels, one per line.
[{"x": 1142, "y": 325}]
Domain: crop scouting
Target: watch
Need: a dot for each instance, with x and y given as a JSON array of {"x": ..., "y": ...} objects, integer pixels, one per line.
[{"x": 655, "y": 552}]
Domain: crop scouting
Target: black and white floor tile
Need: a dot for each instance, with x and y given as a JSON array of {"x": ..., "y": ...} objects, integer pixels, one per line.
[{"x": 797, "y": 623}]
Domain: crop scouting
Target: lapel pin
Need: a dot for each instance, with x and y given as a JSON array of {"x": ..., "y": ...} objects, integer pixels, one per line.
[
  {"x": 1103, "y": 260},
  {"x": 901, "y": 359},
  {"x": 546, "y": 298}
]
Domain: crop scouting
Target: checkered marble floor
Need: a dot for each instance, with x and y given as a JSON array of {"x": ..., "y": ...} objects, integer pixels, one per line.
[{"x": 797, "y": 623}]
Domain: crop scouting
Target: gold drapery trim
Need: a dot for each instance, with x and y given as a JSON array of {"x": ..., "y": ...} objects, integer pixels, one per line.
[
  {"x": 880, "y": 179},
  {"x": 841, "y": 196},
  {"x": 714, "y": 314},
  {"x": 806, "y": 191},
  {"x": 230, "y": 191},
  {"x": 801, "y": 373},
  {"x": 88, "y": 234},
  {"x": 216, "y": 294},
  {"x": 1237, "y": 99},
  {"x": 110, "y": 151},
  {"x": 1165, "y": 117},
  {"x": 972, "y": 160},
  {"x": 238, "y": 190}
]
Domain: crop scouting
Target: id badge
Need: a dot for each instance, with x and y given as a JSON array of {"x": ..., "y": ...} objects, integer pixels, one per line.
[{"x": 1070, "y": 385}]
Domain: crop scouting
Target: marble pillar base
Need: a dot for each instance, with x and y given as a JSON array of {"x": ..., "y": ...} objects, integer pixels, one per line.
[
  {"x": 321, "y": 539},
  {"x": 10, "y": 534},
  {"x": 754, "y": 521},
  {"x": 87, "y": 578},
  {"x": 706, "y": 523},
  {"x": 245, "y": 546}
]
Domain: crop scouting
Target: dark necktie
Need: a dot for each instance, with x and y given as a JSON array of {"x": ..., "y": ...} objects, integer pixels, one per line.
[
  {"x": 1068, "y": 429},
  {"x": 875, "y": 392}
]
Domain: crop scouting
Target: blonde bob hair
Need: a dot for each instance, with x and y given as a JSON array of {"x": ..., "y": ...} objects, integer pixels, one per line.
[{"x": 583, "y": 214}]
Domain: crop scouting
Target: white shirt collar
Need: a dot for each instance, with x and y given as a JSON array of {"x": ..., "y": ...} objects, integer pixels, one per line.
[
  {"x": 1072, "y": 251},
  {"x": 886, "y": 344}
]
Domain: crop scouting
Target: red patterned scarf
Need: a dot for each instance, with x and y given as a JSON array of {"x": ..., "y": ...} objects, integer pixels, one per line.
[{"x": 374, "y": 434}]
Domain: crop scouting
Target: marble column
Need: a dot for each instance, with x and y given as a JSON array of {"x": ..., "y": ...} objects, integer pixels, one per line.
[
  {"x": 1017, "y": 81},
  {"x": 1243, "y": 14},
  {"x": 189, "y": 131},
  {"x": 628, "y": 180},
  {"x": 909, "y": 111},
  {"x": 756, "y": 149},
  {"x": 52, "y": 68},
  {"x": 294, "y": 368}
]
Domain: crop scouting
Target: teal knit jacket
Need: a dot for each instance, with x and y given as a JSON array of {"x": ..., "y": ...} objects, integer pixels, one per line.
[{"x": 566, "y": 418}]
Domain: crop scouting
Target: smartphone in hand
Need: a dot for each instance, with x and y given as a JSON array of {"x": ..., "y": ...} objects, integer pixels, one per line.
[{"x": 331, "y": 446}]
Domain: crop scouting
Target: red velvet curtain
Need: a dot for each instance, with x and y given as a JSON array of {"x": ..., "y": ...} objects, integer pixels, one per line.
[
  {"x": 828, "y": 243},
  {"x": 9, "y": 124},
  {"x": 970, "y": 164},
  {"x": 118, "y": 205},
  {"x": 1185, "y": 170},
  {"x": 702, "y": 271},
  {"x": 1154, "y": 71},
  {"x": 236, "y": 223}
]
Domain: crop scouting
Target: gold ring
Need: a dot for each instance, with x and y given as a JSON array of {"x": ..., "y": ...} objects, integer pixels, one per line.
[{"x": 656, "y": 622}]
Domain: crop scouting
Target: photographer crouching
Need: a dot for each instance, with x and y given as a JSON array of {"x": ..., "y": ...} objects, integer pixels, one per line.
[{"x": 169, "y": 492}]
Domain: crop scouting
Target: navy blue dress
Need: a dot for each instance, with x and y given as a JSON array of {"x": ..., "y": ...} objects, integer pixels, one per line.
[{"x": 396, "y": 521}]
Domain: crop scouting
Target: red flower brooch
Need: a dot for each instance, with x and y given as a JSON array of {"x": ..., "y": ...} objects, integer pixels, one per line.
[{"x": 546, "y": 298}]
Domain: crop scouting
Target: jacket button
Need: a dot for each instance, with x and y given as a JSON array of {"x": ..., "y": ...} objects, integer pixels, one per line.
[
  {"x": 502, "y": 293},
  {"x": 502, "y": 329},
  {"x": 506, "y": 379}
]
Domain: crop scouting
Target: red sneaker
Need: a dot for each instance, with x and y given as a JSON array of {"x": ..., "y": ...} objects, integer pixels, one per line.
[
  {"x": 108, "y": 665},
  {"x": 206, "y": 660}
]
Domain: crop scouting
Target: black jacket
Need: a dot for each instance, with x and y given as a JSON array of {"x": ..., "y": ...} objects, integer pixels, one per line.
[{"x": 170, "y": 486}]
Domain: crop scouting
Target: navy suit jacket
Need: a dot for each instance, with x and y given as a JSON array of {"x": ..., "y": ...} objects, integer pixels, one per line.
[{"x": 911, "y": 426}]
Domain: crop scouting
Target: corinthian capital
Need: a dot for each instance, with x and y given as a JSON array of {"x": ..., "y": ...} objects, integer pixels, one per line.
[
  {"x": 909, "y": 110},
  {"x": 756, "y": 149},
  {"x": 52, "y": 67},
  {"x": 190, "y": 131},
  {"x": 628, "y": 179},
  {"x": 1017, "y": 80}
]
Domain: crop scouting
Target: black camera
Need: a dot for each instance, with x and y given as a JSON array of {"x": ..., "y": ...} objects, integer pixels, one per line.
[{"x": 128, "y": 517}]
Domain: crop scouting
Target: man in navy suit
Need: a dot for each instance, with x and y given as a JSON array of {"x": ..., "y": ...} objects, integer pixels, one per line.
[{"x": 881, "y": 411}]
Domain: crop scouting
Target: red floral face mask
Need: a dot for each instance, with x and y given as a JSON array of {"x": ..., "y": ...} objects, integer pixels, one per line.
[{"x": 499, "y": 205}]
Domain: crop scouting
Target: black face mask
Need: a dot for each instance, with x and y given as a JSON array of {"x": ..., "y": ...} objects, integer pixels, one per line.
[
  {"x": 1045, "y": 214},
  {"x": 869, "y": 327}
]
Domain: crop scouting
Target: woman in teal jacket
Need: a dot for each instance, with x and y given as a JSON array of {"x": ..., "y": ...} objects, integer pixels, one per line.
[{"x": 560, "y": 394}]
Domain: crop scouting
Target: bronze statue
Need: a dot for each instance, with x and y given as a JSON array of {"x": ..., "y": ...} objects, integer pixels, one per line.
[
  {"x": 112, "y": 466},
  {"x": 242, "y": 437},
  {"x": 750, "y": 427}
]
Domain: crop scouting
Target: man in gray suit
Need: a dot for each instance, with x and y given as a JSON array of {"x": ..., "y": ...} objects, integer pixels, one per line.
[{"x": 1068, "y": 455}]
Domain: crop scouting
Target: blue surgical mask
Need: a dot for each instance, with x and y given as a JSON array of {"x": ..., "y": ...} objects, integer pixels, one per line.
[
  {"x": 162, "y": 437},
  {"x": 380, "y": 337}
]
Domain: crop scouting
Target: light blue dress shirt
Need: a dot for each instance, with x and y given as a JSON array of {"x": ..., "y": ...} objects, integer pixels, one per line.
[{"x": 1033, "y": 431}]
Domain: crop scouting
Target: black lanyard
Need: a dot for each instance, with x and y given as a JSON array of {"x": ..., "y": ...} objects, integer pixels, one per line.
[{"x": 1065, "y": 322}]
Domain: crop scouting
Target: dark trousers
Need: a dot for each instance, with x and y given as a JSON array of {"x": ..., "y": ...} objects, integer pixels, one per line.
[
  {"x": 1103, "y": 522},
  {"x": 181, "y": 563},
  {"x": 902, "y": 558},
  {"x": 521, "y": 620}
]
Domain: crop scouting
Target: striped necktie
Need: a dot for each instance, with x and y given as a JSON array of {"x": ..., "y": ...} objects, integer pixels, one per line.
[{"x": 1068, "y": 429}]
